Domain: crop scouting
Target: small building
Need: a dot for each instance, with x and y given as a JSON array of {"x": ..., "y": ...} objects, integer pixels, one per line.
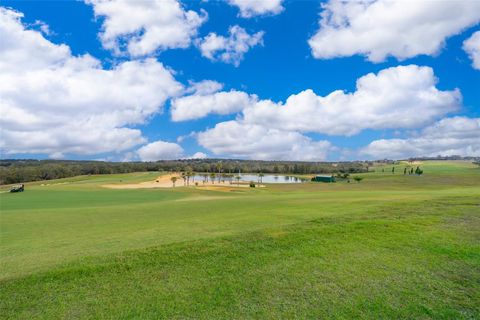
[{"x": 323, "y": 179}]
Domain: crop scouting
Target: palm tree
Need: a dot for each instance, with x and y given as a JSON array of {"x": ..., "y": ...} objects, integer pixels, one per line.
[
  {"x": 219, "y": 170},
  {"x": 224, "y": 177},
  {"x": 188, "y": 174},
  {"x": 174, "y": 179},
  {"x": 260, "y": 176},
  {"x": 219, "y": 167}
]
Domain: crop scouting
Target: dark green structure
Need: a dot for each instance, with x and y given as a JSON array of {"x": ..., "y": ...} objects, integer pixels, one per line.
[{"x": 323, "y": 179}]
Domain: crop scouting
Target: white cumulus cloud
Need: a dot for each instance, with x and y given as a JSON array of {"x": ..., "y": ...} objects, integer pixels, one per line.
[
  {"x": 200, "y": 105},
  {"x": 394, "y": 98},
  {"x": 229, "y": 49},
  {"x": 204, "y": 87},
  {"x": 199, "y": 155},
  {"x": 381, "y": 28},
  {"x": 449, "y": 136},
  {"x": 472, "y": 47},
  {"x": 160, "y": 150},
  {"x": 241, "y": 140},
  {"x": 143, "y": 27},
  {"x": 251, "y": 8},
  {"x": 397, "y": 97},
  {"x": 55, "y": 103}
]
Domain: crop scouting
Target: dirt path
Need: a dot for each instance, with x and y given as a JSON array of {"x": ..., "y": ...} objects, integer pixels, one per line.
[{"x": 164, "y": 181}]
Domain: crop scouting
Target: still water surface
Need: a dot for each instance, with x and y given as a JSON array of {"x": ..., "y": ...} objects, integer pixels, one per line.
[{"x": 268, "y": 178}]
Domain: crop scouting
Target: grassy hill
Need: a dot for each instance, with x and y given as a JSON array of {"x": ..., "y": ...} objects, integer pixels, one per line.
[{"x": 391, "y": 246}]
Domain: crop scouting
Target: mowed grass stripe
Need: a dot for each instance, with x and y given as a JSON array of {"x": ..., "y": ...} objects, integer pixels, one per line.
[
  {"x": 39, "y": 238},
  {"x": 392, "y": 246},
  {"x": 391, "y": 262}
]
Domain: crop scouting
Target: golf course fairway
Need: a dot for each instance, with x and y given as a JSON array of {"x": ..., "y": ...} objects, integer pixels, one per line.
[{"x": 388, "y": 247}]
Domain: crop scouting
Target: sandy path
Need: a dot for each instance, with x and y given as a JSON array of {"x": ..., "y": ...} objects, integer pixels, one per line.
[{"x": 164, "y": 181}]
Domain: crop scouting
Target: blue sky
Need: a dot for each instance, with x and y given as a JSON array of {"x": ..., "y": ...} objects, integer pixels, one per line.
[{"x": 407, "y": 107}]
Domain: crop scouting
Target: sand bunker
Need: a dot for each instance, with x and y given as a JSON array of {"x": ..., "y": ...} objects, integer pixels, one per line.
[{"x": 164, "y": 181}]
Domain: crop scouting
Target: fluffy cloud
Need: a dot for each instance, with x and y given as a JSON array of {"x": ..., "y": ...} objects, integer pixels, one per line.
[
  {"x": 450, "y": 136},
  {"x": 251, "y": 8},
  {"x": 142, "y": 27},
  {"x": 53, "y": 102},
  {"x": 18, "y": 44},
  {"x": 399, "y": 97},
  {"x": 472, "y": 47},
  {"x": 204, "y": 87},
  {"x": 382, "y": 28},
  {"x": 198, "y": 155},
  {"x": 403, "y": 97},
  {"x": 241, "y": 140},
  {"x": 229, "y": 49},
  {"x": 199, "y": 105},
  {"x": 160, "y": 150}
]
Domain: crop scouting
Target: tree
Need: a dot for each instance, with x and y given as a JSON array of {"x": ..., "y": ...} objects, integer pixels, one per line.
[
  {"x": 16, "y": 171},
  {"x": 238, "y": 180},
  {"x": 174, "y": 179},
  {"x": 212, "y": 177},
  {"x": 222, "y": 177},
  {"x": 357, "y": 178},
  {"x": 393, "y": 169},
  {"x": 205, "y": 177},
  {"x": 405, "y": 170},
  {"x": 188, "y": 174},
  {"x": 219, "y": 167},
  {"x": 418, "y": 171},
  {"x": 184, "y": 177},
  {"x": 260, "y": 177},
  {"x": 230, "y": 177}
]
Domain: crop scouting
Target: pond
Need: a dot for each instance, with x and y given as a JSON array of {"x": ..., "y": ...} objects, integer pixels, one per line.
[{"x": 268, "y": 178}]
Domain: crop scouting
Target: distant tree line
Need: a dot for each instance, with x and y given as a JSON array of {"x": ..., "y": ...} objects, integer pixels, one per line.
[
  {"x": 440, "y": 157},
  {"x": 16, "y": 171}
]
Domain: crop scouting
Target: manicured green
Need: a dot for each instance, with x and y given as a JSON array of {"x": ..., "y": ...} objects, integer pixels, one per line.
[{"x": 392, "y": 246}]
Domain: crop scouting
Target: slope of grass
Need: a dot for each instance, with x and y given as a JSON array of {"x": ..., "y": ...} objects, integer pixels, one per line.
[{"x": 392, "y": 246}]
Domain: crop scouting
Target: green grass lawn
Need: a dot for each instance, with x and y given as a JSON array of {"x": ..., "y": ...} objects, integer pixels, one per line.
[{"x": 392, "y": 246}]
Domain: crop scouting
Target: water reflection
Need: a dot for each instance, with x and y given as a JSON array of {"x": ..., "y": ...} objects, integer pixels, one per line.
[{"x": 267, "y": 178}]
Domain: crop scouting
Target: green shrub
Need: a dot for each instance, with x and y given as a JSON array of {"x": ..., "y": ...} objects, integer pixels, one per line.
[
  {"x": 357, "y": 178},
  {"x": 418, "y": 171}
]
